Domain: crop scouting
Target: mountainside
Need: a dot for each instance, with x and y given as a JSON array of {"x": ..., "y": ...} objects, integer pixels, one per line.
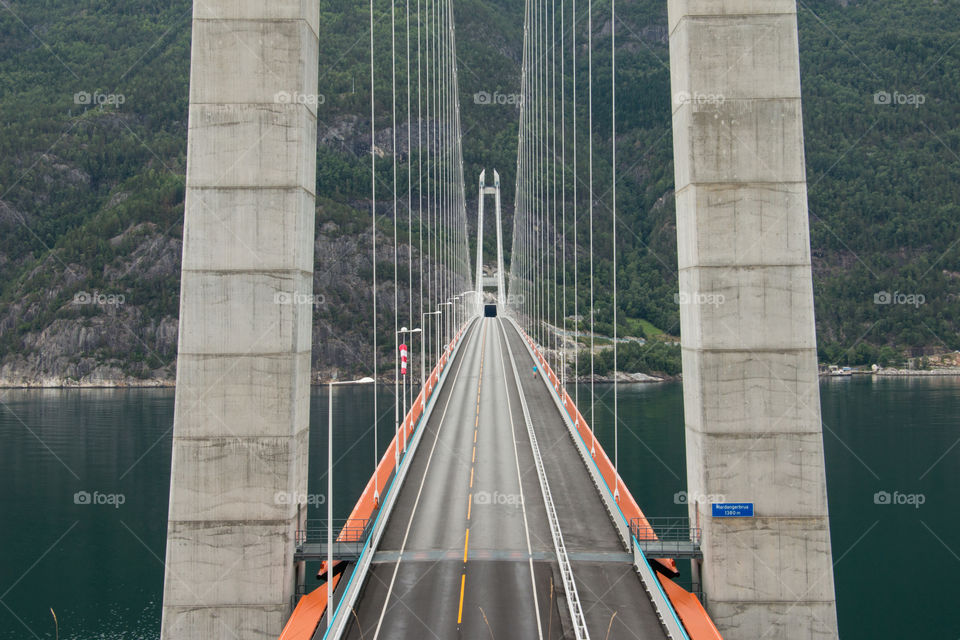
[{"x": 93, "y": 104}]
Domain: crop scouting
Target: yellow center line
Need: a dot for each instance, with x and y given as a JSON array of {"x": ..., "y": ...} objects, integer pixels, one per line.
[
  {"x": 473, "y": 460},
  {"x": 463, "y": 581}
]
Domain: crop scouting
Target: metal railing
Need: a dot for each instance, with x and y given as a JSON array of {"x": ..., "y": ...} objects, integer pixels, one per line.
[
  {"x": 349, "y": 537},
  {"x": 664, "y": 529},
  {"x": 344, "y": 530},
  {"x": 566, "y": 571},
  {"x": 667, "y": 537}
]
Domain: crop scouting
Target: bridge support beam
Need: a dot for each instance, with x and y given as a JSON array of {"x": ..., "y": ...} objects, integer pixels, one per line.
[
  {"x": 241, "y": 420},
  {"x": 751, "y": 397}
]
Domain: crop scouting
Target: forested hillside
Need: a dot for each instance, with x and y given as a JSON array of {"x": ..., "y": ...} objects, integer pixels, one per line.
[{"x": 93, "y": 104}]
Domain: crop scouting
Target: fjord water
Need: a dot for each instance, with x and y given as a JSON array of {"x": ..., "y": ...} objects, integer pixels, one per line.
[{"x": 100, "y": 565}]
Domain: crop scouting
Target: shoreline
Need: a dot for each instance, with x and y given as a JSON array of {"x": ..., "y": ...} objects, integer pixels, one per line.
[
  {"x": 898, "y": 373},
  {"x": 625, "y": 378}
]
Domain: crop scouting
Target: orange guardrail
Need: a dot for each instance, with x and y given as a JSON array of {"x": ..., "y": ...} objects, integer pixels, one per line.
[
  {"x": 694, "y": 617},
  {"x": 306, "y": 616},
  {"x": 370, "y": 498},
  {"x": 311, "y": 608},
  {"x": 628, "y": 505}
]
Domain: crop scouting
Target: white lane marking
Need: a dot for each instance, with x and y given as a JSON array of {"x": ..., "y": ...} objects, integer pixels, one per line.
[
  {"x": 566, "y": 571},
  {"x": 523, "y": 502},
  {"x": 416, "y": 503}
]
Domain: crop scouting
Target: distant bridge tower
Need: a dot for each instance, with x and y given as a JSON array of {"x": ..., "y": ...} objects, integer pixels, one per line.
[
  {"x": 751, "y": 396},
  {"x": 239, "y": 470},
  {"x": 483, "y": 192}
]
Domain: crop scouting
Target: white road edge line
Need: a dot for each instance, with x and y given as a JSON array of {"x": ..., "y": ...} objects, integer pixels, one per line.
[
  {"x": 523, "y": 503},
  {"x": 566, "y": 571},
  {"x": 403, "y": 546},
  {"x": 662, "y": 605}
]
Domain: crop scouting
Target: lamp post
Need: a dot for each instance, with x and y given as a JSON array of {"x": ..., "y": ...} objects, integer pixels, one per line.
[
  {"x": 423, "y": 349},
  {"x": 439, "y": 339},
  {"x": 454, "y": 321},
  {"x": 396, "y": 403},
  {"x": 476, "y": 293},
  {"x": 330, "y": 491},
  {"x": 478, "y": 308}
]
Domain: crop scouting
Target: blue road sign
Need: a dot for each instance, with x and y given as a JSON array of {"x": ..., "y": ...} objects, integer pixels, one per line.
[{"x": 732, "y": 509}]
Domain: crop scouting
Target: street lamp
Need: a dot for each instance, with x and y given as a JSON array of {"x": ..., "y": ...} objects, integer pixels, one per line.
[
  {"x": 479, "y": 299},
  {"x": 439, "y": 310},
  {"x": 330, "y": 489},
  {"x": 396, "y": 403},
  {"x": 455, "y": 320},
  {"x": 467, "y": 293},
  {"x": 423, "y": 348}
]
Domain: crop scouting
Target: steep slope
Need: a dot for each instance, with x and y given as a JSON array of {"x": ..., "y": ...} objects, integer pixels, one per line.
[{"x": 93, "y": 101}]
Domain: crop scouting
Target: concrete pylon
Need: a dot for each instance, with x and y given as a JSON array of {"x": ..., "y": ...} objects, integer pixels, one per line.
[
  {"x": 751, "y": 396},
  {"x": 482, "y": 193},
  {"x": 501, "y": 287},
  {"x": 480, "y": 198},
  {"x": 239, "y": 470}
]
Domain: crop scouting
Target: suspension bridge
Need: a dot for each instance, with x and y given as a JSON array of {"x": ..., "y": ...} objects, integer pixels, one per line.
[{"x": 494, "y": 510}]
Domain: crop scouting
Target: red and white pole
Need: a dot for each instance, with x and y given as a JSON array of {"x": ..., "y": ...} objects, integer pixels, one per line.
[{"x": 403, "y": 372}]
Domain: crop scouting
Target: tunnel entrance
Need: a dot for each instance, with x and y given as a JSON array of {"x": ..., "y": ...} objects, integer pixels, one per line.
[{"x": 490, "y": 310}]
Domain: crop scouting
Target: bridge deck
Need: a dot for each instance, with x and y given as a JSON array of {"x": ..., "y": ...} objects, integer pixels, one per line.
[
  {"x": 469, "y": 473},
  {"x": 585, "y": 523}
]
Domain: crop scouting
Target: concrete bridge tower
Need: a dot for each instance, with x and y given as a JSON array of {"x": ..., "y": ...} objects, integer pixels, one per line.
[
  {"x": 239, "y": 475},
  {"x": 494, "y": 191},
  {"x": 751, "y": 398}
]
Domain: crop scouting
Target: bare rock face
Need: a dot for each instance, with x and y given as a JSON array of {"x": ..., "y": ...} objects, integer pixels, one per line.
[
  {"x": 88, "y": 330},
  {"x": 109, "y": 334},
  {"x": 116, "y": 324}
]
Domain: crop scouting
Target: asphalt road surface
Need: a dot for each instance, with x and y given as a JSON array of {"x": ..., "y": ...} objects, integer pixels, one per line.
[{"x": 467, "y": 551}]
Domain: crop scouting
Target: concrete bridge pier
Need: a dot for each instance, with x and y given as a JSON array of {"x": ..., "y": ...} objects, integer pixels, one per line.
[
  {"x": 239, "y": 470},
  {"x": 751, "y": 398}
]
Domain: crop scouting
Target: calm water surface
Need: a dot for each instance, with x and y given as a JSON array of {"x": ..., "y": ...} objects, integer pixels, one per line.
[{"x": 99, "y": 566}]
